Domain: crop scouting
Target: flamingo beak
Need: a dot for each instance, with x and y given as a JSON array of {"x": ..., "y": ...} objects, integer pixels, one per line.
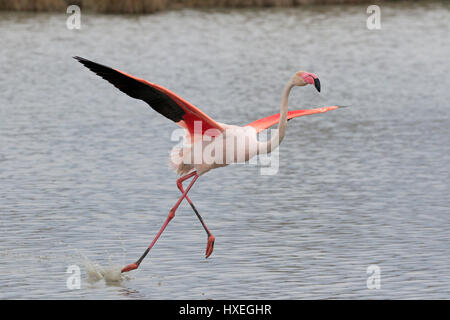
[{"x": 317, "y": 84}]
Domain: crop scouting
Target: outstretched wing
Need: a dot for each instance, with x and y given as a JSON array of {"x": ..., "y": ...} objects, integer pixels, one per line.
[
  {"x": 159, "y": 98},
  {"x": 265, "y": 123}
]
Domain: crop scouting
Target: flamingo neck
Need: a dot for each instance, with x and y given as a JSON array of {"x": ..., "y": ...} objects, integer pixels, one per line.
[{"x": 270, "y": 145}]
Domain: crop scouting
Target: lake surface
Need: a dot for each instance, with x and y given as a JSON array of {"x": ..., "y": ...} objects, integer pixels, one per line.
[{"x": 84, "y": 175}]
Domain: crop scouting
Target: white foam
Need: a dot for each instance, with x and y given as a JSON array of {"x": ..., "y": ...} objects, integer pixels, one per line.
[
  {"x": 95, "y": 272},
  {"x": 112, "y": 274}
]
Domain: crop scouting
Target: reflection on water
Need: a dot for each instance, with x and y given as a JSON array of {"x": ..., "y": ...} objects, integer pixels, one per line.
[{"x": 83, "y": 168}]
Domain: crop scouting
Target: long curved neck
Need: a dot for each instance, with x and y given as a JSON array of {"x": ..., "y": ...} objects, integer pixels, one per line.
[{"x": 270, "y": 145}]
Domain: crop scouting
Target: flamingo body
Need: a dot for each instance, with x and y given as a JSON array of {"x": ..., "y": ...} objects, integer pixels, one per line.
[{"x": 234, "y": 144}]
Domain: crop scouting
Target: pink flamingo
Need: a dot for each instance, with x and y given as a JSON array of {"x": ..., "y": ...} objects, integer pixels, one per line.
[{"x": 210, "y": 133}]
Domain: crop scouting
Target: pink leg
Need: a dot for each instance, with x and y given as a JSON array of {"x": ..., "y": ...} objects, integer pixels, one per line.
[
  {"x": 211, "y": 239},
  {"x": 169, "y": 217}
]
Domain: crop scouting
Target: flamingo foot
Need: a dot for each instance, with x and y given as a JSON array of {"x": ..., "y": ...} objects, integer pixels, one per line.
[
  {"x": 130, "y": 267},
  {"x": 210, "y": 246}
]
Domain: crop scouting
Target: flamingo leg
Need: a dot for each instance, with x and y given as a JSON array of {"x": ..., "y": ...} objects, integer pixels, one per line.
[
  {"x": 211, "y": 239},
  {"x": 171, "y": 215}
]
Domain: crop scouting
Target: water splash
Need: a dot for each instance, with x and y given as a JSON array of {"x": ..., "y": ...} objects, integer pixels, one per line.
[{"x": 95, "y": 272}]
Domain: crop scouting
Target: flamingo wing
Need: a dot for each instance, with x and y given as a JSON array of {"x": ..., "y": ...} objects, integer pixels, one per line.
[
  {"x": 159, "y": 98},
  {"x": 267, "y": 122}
]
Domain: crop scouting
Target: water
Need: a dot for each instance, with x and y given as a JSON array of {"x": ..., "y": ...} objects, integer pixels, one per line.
[{"x": 83, "y": 168}]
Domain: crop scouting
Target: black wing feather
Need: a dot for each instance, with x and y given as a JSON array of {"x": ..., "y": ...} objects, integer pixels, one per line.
[{"x": 158, "y": 100}]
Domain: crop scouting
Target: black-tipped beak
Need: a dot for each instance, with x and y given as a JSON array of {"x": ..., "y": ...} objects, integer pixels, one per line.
[{"x": 317, "y": 84}]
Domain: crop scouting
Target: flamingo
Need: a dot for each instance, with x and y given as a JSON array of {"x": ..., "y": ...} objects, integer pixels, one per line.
[{"x": 209, "y": 134}]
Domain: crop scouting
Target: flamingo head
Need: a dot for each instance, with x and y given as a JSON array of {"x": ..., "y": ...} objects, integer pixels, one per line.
[{"x": 302, "y": 78}]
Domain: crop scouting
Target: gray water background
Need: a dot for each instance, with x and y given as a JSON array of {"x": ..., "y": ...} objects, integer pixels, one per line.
[{"x": 83, "y": 167}]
